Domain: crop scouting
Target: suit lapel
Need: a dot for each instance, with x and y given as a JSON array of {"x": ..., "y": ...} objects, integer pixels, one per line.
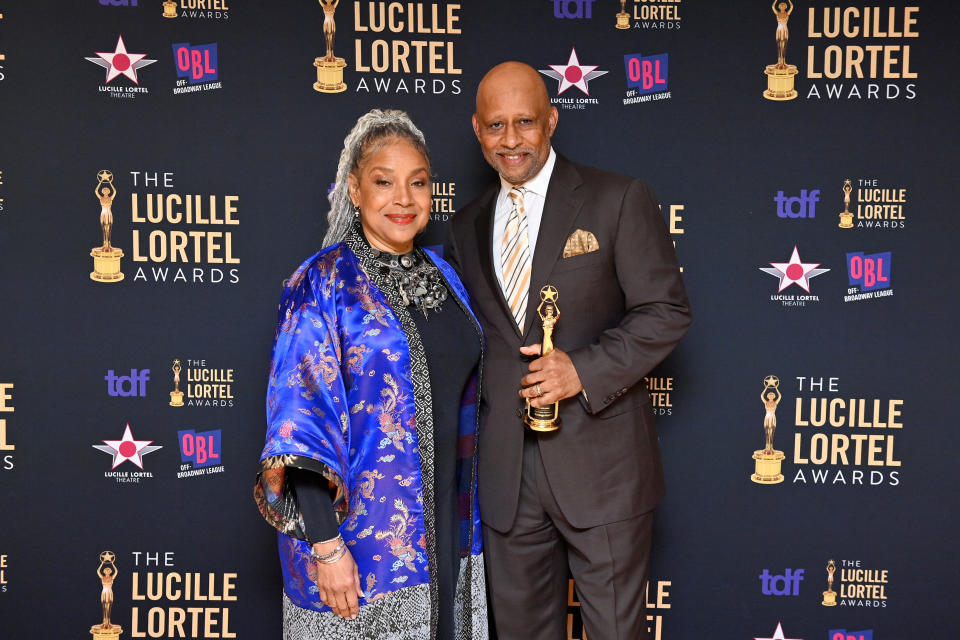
[
  {"x": 560, "y": 209},
  {"x": 484, "y": 236}
]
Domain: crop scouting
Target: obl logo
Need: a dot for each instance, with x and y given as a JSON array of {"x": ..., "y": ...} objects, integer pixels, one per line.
[{"x": 843, "y": 634}]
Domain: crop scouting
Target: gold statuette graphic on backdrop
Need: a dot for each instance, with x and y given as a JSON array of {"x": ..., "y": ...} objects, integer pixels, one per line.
[
  {"x": 846, "y": 218},
  {"x": 329, "y": 68},
  {"x": 767, "y": 460},
  {"x": 107, "y": 572},
  {"x": 169, "y": 9},
  {"x": 545, "y": 418},
  {"x": 106, "y": 257},
  {"x": 623, "y": 18},
  {"x": 176, "y": 396},
  {"x": 830, "y": 596},
  {"x": 780, "y": 76}
]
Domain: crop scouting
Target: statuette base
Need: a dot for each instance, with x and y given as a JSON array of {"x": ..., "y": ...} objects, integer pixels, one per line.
[
  {"x": 829, "y": 599},
  {"x": 329, "y": 75},
  {"x": 767, "y": 467},
  {"x": 542, "y": 419},
  {"x": 106, "y": 264},
  {"x": 542, "y": 426},
  {"x": 111, "y": 633},
  {"x": 623, "y": 20},
  {"x": 176, "y": 398},
  {"x": 780, "y": 82},
  {"x": 169, "y": 9},
  {"x": 846, "y": 221}
]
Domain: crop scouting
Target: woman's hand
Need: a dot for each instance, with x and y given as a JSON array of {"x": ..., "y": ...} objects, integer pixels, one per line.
[{"x": 338, "y": 582}]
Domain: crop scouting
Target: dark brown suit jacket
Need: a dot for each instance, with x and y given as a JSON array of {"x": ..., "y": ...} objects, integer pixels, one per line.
[{"x": 622, "y": 310}]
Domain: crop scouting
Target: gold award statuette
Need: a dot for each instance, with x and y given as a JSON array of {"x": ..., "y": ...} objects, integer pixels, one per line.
[
  {"x": 830, "y": 596},
  {"x": 545, "y": 418},
  {"x": 623, "y": 18},
  {"x": 176, "y": 396},
  {"x": 846, "y": 218},
  {"x": 106, "y": 258},
  {"x": 169, "y": 9},
  {"x": 780, "y": 75},
  {"x": 107, "y": 572},
  {"x": 329, "y": 68},
  {"x": 767, "y": 460}
]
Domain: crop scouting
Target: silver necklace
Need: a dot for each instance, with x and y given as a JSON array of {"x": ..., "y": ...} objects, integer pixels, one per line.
[{"x": 416, "y": 278}]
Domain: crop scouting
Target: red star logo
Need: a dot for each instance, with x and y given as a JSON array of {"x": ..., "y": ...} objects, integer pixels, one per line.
[
  {"x": 121, "y": 62},
  {"x": 794, "y": 272},
  {"x": 127, "y": 449},
  {"x": 778, "y": 634},
  {"x": 573, "y": 74}
]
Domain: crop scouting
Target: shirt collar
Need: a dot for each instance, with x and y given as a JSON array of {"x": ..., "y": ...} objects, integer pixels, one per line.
[{"x": 537, "y": 184}]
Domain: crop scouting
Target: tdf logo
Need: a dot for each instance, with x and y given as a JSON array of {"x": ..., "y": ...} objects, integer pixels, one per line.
[
  {"x": 802, "y": 206},
  {"x": 134, "y": 384},
  {"x": 787, "y": 584},
  {"x": 573, "y": 8}
]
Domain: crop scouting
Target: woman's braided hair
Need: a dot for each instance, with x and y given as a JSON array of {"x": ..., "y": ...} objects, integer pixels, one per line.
[{"x": 374, "y": 129}]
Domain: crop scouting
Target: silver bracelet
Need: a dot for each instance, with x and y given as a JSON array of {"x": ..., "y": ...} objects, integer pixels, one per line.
[
  {"x": 342, "y": 552},
  {"x": 326, "y": 556}
]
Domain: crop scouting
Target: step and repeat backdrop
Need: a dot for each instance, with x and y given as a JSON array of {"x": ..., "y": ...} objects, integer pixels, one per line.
[{"x": 164, "y": 167}]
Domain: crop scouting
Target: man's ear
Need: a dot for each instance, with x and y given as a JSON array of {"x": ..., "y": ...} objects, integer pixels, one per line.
[{"x": 476, "y": 126}]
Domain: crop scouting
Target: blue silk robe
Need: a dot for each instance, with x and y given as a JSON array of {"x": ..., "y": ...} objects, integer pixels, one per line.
[{"x": 349, "y": 398}]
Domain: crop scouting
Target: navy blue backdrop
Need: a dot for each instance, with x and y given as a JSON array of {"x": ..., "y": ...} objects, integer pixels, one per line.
[{"x": 216, "y": 106}]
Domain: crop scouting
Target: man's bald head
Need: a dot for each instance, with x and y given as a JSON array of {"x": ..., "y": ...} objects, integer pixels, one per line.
[
  {"x": 514, "y": 120},
  {"x": 513, "y": 76}
]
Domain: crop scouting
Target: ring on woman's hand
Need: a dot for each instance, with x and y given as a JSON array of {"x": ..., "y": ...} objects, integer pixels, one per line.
[{"x": 539, "y": 392}]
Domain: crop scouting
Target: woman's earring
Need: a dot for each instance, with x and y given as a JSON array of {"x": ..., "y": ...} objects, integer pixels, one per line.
[{"x": 356, "y": 211}]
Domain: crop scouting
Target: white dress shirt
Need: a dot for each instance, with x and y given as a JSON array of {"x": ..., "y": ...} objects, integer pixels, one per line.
[{"x": 533, "y": 198}]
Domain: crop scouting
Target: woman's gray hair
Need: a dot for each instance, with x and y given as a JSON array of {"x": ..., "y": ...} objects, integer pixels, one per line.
[{"x": 372, "y": 129}]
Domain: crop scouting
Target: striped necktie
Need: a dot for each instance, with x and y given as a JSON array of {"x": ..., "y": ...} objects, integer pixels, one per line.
[{"x": 515, "y": 258}]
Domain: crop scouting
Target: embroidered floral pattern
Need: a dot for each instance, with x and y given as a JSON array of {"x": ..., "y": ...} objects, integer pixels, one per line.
[{"x": 349, "y": 398}]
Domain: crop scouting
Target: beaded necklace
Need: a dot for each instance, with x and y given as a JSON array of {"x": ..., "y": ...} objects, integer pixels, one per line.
[{"x": 416, "y": 278}]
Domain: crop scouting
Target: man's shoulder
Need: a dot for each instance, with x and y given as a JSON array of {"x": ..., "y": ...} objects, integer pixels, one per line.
[
  {"x": 605, "y": 190},
  {"x": 594, "y": 176},
  {"x": 469, "y": 212}
]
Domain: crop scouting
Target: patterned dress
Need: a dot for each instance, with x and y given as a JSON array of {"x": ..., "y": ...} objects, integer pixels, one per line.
[{"x": 349, "y": 398}]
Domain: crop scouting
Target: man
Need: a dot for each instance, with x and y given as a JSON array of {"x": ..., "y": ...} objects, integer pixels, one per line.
[{"x": 581, "y": 497}]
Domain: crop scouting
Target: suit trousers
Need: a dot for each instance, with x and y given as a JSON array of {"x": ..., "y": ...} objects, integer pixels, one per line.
[{"x": 527, "y": 567}]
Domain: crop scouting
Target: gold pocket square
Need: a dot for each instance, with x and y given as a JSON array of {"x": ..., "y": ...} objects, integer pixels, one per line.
[{"x": 580, "y": 242}]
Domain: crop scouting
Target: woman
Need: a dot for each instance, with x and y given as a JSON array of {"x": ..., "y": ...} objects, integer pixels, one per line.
[{"x": 369, "y": 469}]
